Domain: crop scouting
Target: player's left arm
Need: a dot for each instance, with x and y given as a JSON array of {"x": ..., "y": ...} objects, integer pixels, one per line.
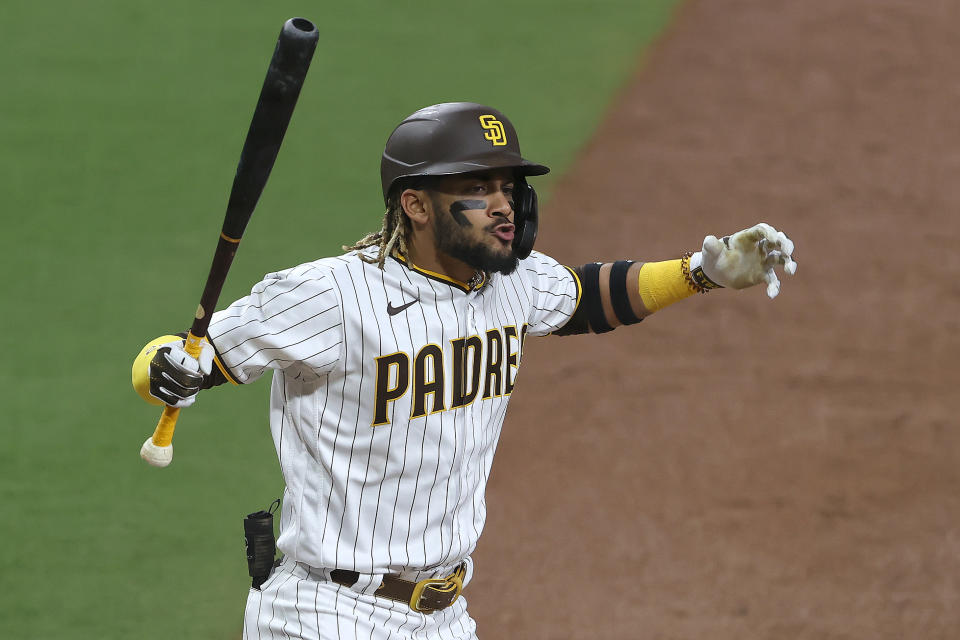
[{"x": 625, "y": 292}]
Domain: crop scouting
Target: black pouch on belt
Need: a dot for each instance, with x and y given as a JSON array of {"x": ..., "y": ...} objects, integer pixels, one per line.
[{"x": 261, "y": 544}]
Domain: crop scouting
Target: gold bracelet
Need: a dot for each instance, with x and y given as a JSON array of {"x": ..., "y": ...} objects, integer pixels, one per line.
[
  {"x": 696, "y": 279},
  {"x": 685, "y": 270}
]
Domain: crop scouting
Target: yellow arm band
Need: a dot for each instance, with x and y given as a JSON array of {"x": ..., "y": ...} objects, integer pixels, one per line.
[
  {"x": 141, "y": 368},
  {"x": 662, "y": 283}
]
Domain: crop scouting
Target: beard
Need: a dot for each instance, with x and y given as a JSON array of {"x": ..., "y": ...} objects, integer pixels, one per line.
[{"x": 454, "y": 240}]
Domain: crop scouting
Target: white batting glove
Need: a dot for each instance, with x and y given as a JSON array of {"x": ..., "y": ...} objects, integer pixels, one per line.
[
  {"x": 175, "y": 376},
  {"x": 747, "y": 258}
]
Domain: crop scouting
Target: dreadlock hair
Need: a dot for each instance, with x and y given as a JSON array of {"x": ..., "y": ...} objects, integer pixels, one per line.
[{"x": 396, "y": 225}]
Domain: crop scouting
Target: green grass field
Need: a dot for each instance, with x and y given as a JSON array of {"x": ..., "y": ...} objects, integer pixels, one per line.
[{"x": 121, "y": 125}]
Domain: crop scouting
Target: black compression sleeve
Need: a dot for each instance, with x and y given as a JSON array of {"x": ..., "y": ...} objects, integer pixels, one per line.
[
  {"x": 591, "y": 298},
  {"x": 618, "y": 292}
]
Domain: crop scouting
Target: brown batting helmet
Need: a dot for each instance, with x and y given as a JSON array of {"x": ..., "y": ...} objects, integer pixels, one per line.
[{"x": 451, "y": 138}]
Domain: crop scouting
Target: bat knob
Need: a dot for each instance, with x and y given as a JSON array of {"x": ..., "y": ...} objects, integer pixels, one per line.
[{"x": 156, "y": 456}]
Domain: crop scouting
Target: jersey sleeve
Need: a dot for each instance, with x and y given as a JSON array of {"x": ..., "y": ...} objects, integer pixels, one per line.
[
  {"x": 555, "y": 293},
  {"x": 290, "y": 319}
]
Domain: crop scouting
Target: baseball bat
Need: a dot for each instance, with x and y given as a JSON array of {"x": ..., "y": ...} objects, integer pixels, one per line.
[{"x": 281, "y": 88}]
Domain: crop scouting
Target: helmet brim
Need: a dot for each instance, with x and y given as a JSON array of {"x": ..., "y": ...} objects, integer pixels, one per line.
[{"x": 523, "y": 168}]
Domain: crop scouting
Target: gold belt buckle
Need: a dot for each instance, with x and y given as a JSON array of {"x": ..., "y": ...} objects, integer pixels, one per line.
[{"x": 441, "y": 586}]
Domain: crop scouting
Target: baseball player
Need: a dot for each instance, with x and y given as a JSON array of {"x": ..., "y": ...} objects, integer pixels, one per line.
[{"x": 392, "y": 366}]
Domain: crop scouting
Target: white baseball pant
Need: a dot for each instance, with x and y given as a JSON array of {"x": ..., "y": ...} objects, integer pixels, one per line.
[{"x": 297, "y": 602}]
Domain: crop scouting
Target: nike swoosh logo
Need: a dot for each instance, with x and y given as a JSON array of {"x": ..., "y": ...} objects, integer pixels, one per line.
[{"x": 392, "y": 310}]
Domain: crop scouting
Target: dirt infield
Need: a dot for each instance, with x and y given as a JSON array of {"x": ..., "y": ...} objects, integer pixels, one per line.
[{"x": 736, "y": 467}]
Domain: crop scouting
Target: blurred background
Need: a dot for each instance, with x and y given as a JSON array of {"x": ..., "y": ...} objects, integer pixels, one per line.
[{"x": 122, "y": 123}]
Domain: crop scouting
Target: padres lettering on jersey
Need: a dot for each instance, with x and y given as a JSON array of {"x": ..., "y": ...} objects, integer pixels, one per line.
[
  {"x": 389, "y": 392},
  {"x": 490, "y": 361}
]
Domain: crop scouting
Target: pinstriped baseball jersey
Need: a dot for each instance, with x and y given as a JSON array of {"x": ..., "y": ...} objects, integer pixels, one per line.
[{"x": 389, "y": 392}]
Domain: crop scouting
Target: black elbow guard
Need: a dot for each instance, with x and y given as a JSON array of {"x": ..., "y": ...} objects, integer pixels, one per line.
[{"x": 590, "y": 316}]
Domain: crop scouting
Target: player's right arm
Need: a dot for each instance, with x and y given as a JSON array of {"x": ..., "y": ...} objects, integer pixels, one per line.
[
  {"x": 164, "y": 373},
  {"x": 289, "y": 319}
]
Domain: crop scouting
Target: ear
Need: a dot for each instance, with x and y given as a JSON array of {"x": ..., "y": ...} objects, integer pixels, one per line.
[{"x": 415, "y": 204}]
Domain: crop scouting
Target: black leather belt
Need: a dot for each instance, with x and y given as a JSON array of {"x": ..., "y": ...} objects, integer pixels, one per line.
[{"x": 426, "y": 596}]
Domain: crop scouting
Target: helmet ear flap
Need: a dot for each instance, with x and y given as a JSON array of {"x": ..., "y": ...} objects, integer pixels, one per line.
[{"x": 526, "y": 218}]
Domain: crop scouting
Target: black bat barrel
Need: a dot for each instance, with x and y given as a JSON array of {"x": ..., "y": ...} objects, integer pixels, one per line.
[
  {"x": 278, "y": 97},
  {"x": 281, "y": 88}
]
